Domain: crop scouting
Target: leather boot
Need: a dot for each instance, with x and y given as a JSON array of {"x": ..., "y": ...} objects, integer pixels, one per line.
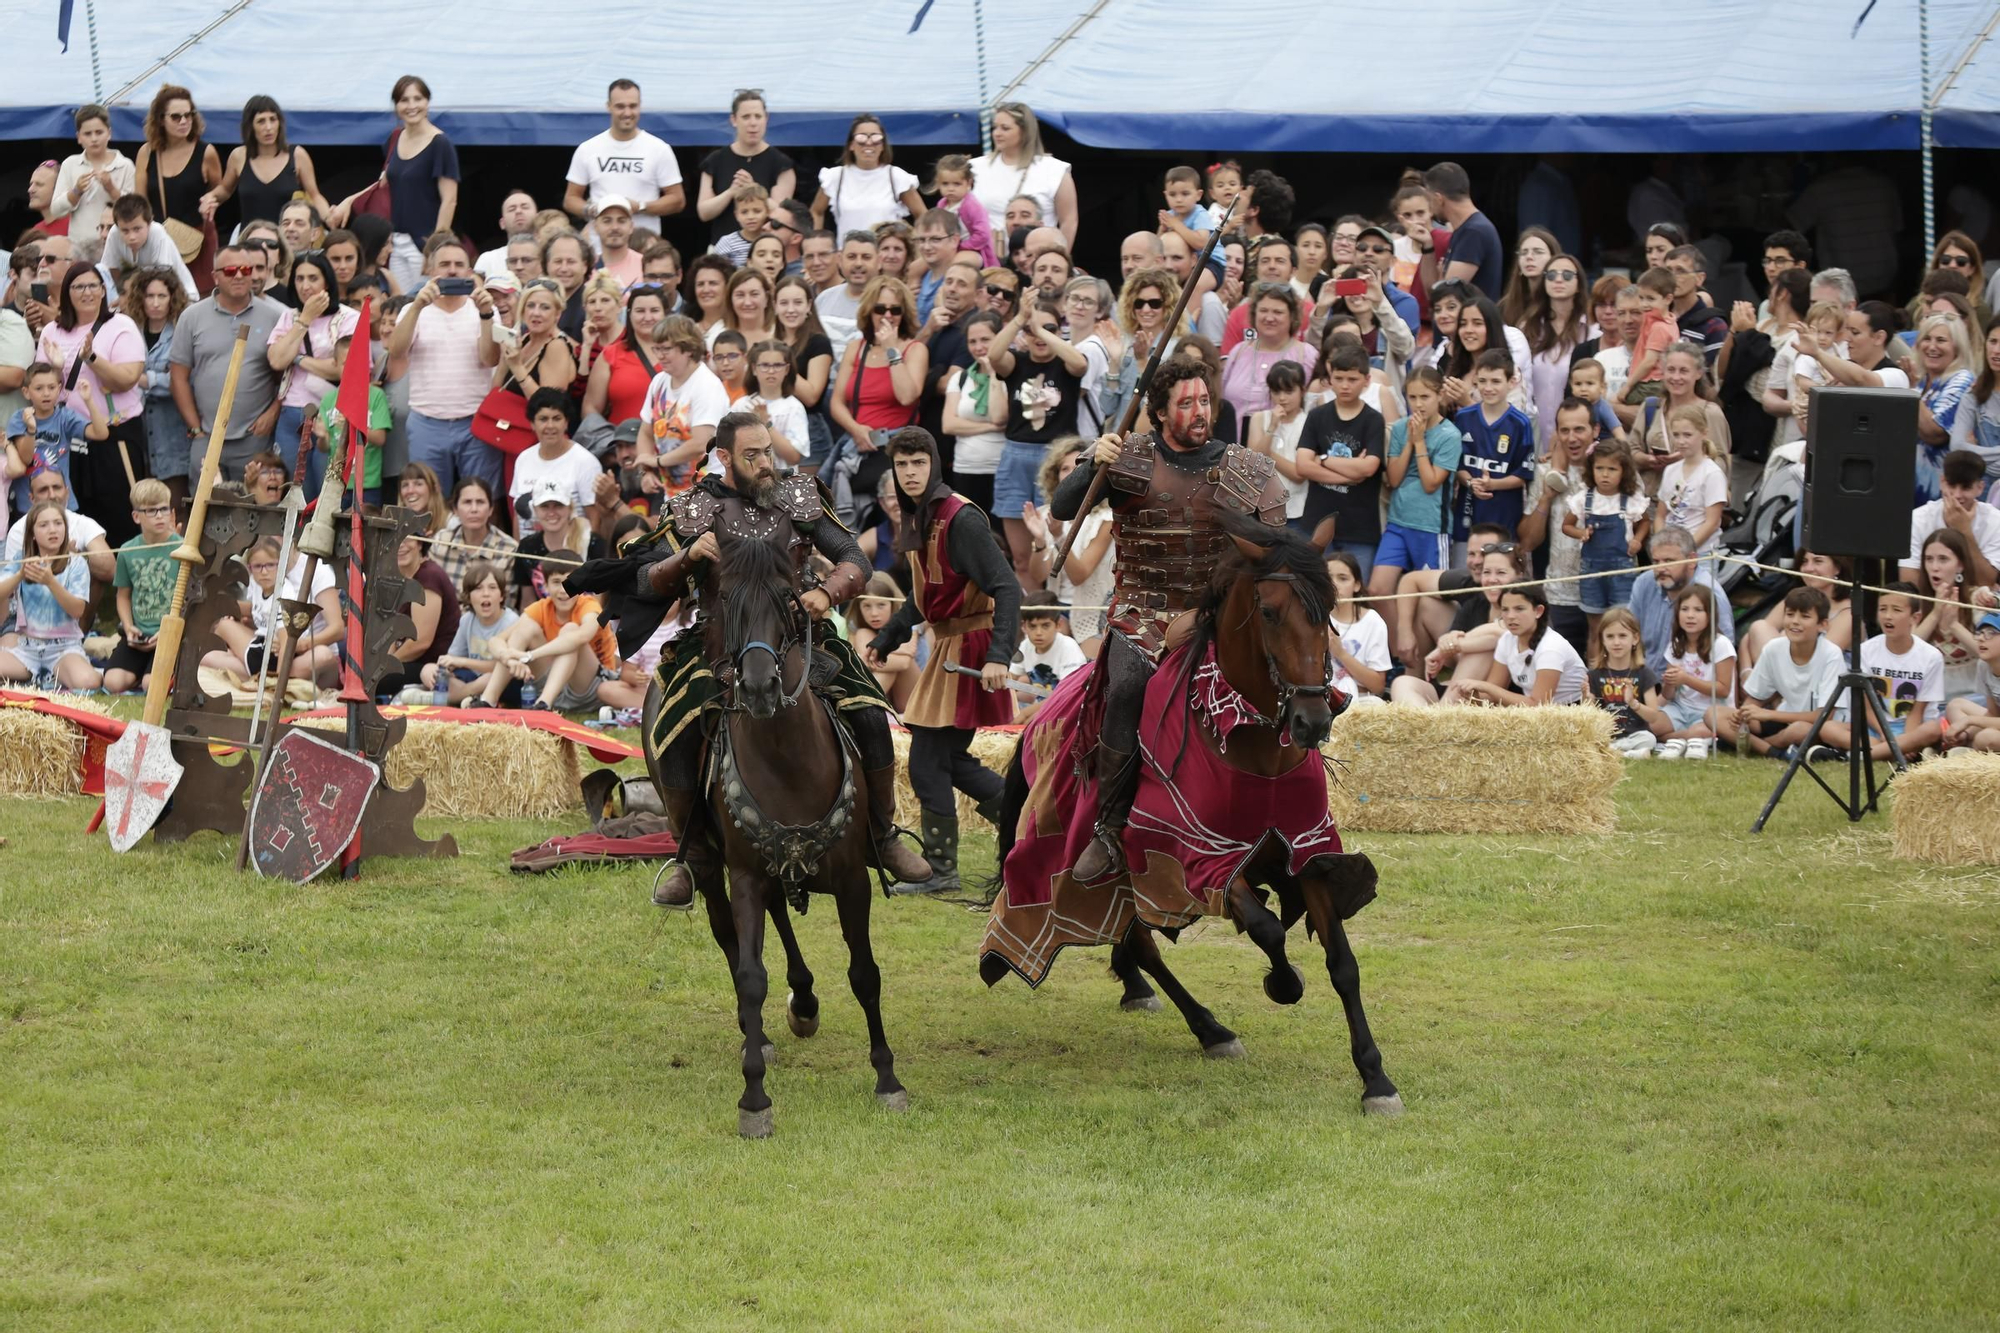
[
  {"x": 902, "y": 864},
  {"x": 676, "y": 887},
  {"x": 1117, "y": 783},
  {"x": 941, "y": 852}
]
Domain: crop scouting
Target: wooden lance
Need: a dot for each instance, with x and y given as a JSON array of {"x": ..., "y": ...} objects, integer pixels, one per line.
[
  {"x": 1130, "y": 417},
  {"x": 173, "y": 625}
]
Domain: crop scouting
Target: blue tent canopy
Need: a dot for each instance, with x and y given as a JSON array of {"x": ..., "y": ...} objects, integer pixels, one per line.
[{"x": 1290, "y": 75}]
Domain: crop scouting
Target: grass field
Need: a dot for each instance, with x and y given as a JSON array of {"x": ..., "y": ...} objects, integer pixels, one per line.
[{"x": 1677, "y": 1077}]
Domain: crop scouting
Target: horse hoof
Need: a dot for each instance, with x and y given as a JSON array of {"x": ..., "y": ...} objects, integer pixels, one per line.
[
  {"x": 754, "y": 1124},
  {"x": 1293, "y": 995},
  {"x": 1387, "y": 1107},
  {"x": 1141, "y": 1004},
  {"x": 801, "y": 1027},
  {"x": 1224, "y": 1050},
  {"x": 899, "y": 1100}
]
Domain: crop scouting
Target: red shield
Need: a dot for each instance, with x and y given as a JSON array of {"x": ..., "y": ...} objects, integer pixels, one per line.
[
  {"x": 308, "y": 806},
  {"x": 140, "y": 773}
]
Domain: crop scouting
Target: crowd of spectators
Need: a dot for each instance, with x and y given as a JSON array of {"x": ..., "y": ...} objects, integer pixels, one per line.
[{"x": 1522, "y": 467}]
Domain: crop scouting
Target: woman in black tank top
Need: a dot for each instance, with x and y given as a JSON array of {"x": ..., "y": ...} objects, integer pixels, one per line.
[
  {"x": 264, "y": 144},
  {"x": 175, "y": 167}
]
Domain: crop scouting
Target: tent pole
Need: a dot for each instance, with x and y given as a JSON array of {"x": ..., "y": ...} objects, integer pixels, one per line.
[
  {"x": 1924, "y": 122},
  {"x": 979, "y": 52},
  {"x": 194, "y": 38},
  {"x": 96, "y": 72}
]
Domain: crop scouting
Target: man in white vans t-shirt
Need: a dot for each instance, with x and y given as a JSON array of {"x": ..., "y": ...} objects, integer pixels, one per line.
[{"x": 627, "y": 162}]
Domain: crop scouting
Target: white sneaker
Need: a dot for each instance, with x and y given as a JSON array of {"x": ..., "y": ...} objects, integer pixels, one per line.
[
  {"x": 1699, "y": 749},
  {"x": 1641, "y": 746},
  {"x": 1671, "y": 749}
]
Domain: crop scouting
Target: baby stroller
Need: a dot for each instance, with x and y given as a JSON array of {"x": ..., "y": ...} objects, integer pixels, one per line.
[{"x": 1766, "y": 531}]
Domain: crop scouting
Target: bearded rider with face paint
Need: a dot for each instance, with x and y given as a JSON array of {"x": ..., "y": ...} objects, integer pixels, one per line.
[{"x": 1167, "y": 491}]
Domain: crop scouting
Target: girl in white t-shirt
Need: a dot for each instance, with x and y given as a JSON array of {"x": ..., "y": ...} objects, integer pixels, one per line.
[
  {"x": 1357, "y": 636},
  {"x": 1275, "y": 431},
  {"x": 1700, "y": 678},
  {"x": 1693, "y": 488},
  {"x": 245, "y": 652},
  {"x": 1532, "y": 664},
  {"x": 772, "y": 372},
  {"x": 865, "y": 189}
]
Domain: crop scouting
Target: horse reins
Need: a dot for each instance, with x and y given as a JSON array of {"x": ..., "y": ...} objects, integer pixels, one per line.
[
  {"x": 1287, "y": 690},
  {"x": 786, "y": 605}
]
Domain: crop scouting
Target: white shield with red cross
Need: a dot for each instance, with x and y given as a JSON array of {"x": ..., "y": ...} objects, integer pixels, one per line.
[
  {"x": 140, "y": 773},
  {"x": 308, "y": 806}
]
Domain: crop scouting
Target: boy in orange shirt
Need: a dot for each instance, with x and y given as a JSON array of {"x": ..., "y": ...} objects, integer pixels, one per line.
[{"x": 561, "y": 643}]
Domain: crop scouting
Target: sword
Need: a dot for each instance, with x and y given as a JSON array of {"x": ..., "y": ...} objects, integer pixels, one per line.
[
  {"x": 1019, "y": 687},
  {"x": 293, "y": 503},
  {"x": 317, "y": 543},
  {"x": 1130, "y": 417}
]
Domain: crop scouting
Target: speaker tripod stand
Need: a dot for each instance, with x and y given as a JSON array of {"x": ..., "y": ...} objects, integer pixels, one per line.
[{"x": 1857, "y": 692}]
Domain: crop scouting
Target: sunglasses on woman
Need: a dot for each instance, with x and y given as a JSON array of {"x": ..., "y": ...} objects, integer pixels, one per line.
[
  {"x": 995, "y": 290},
  {"x": 1561, "y": 274},
  {"x": 1149, "y": 303},
  {"x": 1954, "y": 261},
  {"x": 888, "y": 310}
]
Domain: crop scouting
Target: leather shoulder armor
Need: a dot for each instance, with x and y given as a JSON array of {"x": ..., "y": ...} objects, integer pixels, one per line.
[
  {"x": 1132, "y": 471},
  {"x": 798, "y": 496},
  {"x": 1251, "y": 485},
  {"x": 694, "y": 513}
]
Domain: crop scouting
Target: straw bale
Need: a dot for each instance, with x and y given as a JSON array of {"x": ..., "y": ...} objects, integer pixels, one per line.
[
  {"x": 40, "y": 755},
  {"x": 995, "y": 749},
  {"x": 1948, "y": 811},
  {"x": 482, "y": 770},
  {"x": 1467, "y": 769}
]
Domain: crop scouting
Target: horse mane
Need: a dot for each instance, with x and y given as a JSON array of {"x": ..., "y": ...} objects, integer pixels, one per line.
[
  {"x": 1286, "y": 554},
  {"x": 748, "y": 564}
]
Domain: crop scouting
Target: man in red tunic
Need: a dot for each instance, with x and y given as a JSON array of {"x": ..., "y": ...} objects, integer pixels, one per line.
[
  {"x": 1166, "y": 490},
  {"x": 963, "y": 585}
]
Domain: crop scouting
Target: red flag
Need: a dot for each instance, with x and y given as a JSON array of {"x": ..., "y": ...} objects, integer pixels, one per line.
[{"x": 353, "y": 400}]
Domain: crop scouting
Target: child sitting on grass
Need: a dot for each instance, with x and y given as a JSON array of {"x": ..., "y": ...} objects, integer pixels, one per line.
[
  {"x": 1975, "y": 719},
  {"x": 50, "y": 585},
  {"x": 1046, "y": 655},
  {"x": 245, "y": 652},
  {"x": 1537, "y": 662},
  {"x": 1624, "y": 686},
  {"x": 561, "y": 643},
  {"x": 469, "y": 660},
  {"x": 1909, "y": 675},
  {"x": 1789, "y": 685},
  {"x": 1701, "y": 673},
  {"x": 144, "y": 578}
]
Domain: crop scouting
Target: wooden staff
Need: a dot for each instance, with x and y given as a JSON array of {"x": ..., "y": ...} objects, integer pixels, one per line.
[
  {"x": 1130, "y": 417},
  {"x": 167, "y": 644}
]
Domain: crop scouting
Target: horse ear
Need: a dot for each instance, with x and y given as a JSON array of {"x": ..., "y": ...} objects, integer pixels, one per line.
[{"x": 1250, "y": 550}]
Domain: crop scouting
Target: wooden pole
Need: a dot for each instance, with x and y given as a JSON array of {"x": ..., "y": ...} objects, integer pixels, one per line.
[{"x": 167, "y": 644}]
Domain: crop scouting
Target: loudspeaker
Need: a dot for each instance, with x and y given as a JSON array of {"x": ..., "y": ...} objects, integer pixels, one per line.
[{"x": 1861, "y": 472}]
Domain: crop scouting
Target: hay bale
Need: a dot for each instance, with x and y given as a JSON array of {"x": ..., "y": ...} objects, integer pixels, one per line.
[
  {"x": 482, "y": 770},
  {"x": 1948, "y": 811},
  {"x": 995, "y": 749},
  {"x": 1466, "y": 769},
  {"x": 40, "y": 755}
]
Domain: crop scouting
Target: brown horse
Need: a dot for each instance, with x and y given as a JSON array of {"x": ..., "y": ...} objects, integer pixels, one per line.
[
  {"x": 1265, "y": 613},
  {"x": 790, "y": 815}
]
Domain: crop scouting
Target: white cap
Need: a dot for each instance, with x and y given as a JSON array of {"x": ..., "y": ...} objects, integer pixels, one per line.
[
  {"x": 613, "y": 201},
  {"x": 552, "y": 490}
]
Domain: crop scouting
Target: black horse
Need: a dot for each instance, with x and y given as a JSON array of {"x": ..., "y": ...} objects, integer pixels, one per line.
[{"x": 789, "y": 815}]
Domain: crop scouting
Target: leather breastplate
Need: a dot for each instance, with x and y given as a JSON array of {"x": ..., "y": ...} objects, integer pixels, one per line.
[{"x": 1169, "y": 540}]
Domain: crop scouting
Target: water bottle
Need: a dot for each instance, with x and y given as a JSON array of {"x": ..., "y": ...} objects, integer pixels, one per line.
[
  {"x": 441, "y": 696},
  {"x": 528, "y": 692}
]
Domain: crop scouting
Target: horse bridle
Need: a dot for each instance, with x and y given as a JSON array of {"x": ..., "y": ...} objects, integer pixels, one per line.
[
  {"x": 787, "y": 604},
  {"x": 1287, "y": 690}
]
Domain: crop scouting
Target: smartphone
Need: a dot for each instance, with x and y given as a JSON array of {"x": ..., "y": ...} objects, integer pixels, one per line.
[
  {"x": 38, "y": 292},
  {"x": 454, "y": 286},
  {"x": 1350, "y": 286}
]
